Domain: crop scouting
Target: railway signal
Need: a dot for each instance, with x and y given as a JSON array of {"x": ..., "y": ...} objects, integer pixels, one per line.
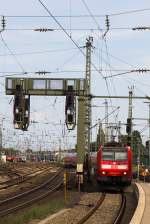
[
  {"x": 26, "y": 111},
  {"x": 129, "y": 126},
  {"x": 21, "y": 108},
  {"x": 70, "y": 108}
]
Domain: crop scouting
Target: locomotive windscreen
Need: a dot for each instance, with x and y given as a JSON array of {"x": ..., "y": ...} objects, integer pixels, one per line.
[{"x": 114, "y": 155}]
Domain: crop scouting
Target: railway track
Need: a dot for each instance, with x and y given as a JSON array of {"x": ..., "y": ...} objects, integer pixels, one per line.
[
  {"x": 19, "y": 178},
  {"x": 103, "y": 208},
  {"x": 121, "y": 210},
  {"x": 29, "y": 197},
  {"x": 99, "y": 213},
  {"x": 7, "y": 171},
  {"x": 91, "y": 211}
]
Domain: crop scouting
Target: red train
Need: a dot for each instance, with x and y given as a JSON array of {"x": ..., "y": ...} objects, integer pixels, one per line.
[
  {"x": 70, "y": 160},
  {"x": 114, "y": 164}
]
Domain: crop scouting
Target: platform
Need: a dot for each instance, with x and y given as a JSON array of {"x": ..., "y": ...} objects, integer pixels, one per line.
[{"x": 142, "y": 213}]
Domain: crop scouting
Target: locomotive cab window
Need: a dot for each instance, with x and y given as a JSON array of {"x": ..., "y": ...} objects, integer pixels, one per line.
[
  {"x": 120, "y": 155},
  {"x": 114, "y": 156},
  {"x": 108, "y": 156}
]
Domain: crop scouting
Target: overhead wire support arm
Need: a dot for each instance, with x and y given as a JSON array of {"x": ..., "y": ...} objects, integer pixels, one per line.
[
  {"x": 128, "y": 72},
  {"x": 67, "y": 34},
  {"x": 122, "y": 97}
]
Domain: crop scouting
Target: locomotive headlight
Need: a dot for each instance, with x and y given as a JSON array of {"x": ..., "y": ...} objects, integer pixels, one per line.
[
  {"x": 122, "y": 167},
  {"x": 106, "y": 166},
  {"x": 103, "y": 172},
  {"x": 124, "y": 173}
]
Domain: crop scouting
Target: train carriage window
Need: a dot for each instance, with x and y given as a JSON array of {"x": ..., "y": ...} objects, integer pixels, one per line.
[
  {"x": 108, "y": 156},
  {"x": 120, "y": 155}
]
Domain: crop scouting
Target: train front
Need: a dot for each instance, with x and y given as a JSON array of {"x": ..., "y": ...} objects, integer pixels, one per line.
[{"x": 114, "y": 165}]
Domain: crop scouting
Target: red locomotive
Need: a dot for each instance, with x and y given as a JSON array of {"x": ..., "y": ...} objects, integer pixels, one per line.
[{"x": 114, "y": 164}]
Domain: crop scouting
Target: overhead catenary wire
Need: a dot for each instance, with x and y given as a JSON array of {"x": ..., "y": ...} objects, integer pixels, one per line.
[
  {"x": 11, "y": 52},
  {"x": 78, "y": 71},
  {"x": 74, "y": 42},
  {"x": 109, "y": 64},
  {"x": 85, "y": 15},
  {"x": 105, "y": 117},
  {"x": 91, "y": 15},
  {"x": 103, "y": 36},
  {"x": 39, "y": 52},
  {"x": 117, "y": 58},
  {"x": 43, "y": 72},
  {"x": 131, "y": 71},
  {"x": 76, "y": 29}
]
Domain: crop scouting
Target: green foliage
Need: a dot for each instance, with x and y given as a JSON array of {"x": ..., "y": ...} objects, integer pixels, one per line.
[{"x": 137, "y": 146}]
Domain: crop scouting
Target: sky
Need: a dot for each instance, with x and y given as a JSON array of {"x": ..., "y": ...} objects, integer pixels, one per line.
[{"x": 24, "y": 50}]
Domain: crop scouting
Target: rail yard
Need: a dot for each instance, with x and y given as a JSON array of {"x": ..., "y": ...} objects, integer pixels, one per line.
[{"x": 47, "y": 182}]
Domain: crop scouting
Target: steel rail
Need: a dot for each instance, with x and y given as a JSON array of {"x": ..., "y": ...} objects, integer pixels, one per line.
[
  {"x": 32, "y": 190},
  {"x": 91, "y": 212},
  {"x": 121, "y": 210},
  {"x": 31, "y": 201},
  {"x": 20, "y": 179},
  {"x": 57, "y": 182}
]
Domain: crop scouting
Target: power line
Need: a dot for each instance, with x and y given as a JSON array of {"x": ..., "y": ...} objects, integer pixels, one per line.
[
  {"x": 51, "y": 15},
  {"x": 81, "y": 15},
  {"x": 63, "y": 71},
  {"x": 132, "y": 71},
  {"x": 105, "y": 117},
  {"x": 62, "y": 28},
  {"x": 92, "y": 16},
  {"x": 14, "y": 73},
  {"x": 109, "y": 64},
  {"x": 11, "y": 52},
  {"x": 118, "y": 59},
  {"x": 40, "y": 52},
  {"x": 129, "y": 12},
  {"x": 80, "y": 29},
  {"x": 107, "y": 24},
  {"x": 139, "y": 82}
]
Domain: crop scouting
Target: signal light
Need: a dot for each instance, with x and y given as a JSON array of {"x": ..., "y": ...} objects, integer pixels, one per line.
[
  {"x": 147, "y": 143},
  {"x": 70, "y": 118},
  {"x": 21, "y": 109},
  {"x": 129, "y": 125},
  {"x": 70, "y": 109}
]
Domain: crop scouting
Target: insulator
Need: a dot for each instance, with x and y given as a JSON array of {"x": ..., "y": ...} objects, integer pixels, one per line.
[
  {"x": 107, "y": 22},
  {"x": 143, "y": 70},
  {"x": 41, "y": 72},
  {"x": 3, "y": 23},
  {"x": 43, "y": 30},
  {"x": 141, "y": 28}
]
